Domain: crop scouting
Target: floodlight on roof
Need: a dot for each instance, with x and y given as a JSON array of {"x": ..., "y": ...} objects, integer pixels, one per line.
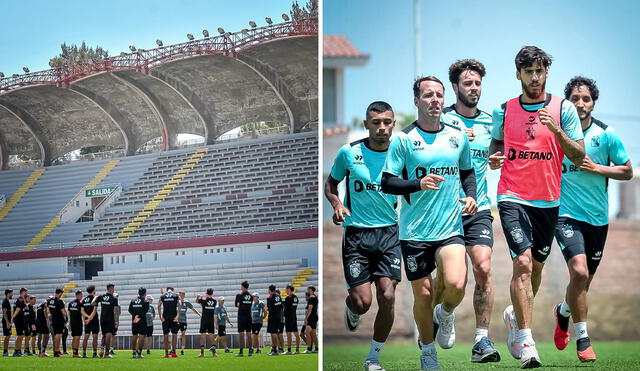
[
  {"x": 227, "y": 35},
  {"x": 1, "y": 75},
  {"x": 205, "y": 33},
  {"x": 122, "y": 54},
  {"x": 25, "y": 69},
  {"x": 190, "y": 36},
  {"x": 132, "y": 48},
  {"x": 253, "y": 24},
  {"x": 159, "y": 42},
  {"x": 221, "y": 30},
  {"x": 14, "y": 75},
  {"x": 141, "y": 50},
  {"x": 285, "y": 17},
  {"x": 268, "y": 20},
  {"x": 245, "y": 31}
]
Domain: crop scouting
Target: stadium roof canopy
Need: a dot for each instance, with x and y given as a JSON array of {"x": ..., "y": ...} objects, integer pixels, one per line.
[{"x": 204, "y": 87}]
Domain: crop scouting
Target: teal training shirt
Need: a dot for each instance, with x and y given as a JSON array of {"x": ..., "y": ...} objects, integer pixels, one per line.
[
  {"x": 570, "y": 124},
  {"x": 257, "y": 312},
  {"x": 583, "y": 194},
  {"x": 183, "y": 307},
  {"x": 479, "y": 146},
  {"x": 414, "y": 153},
  {"x": 361, "y": 168}
]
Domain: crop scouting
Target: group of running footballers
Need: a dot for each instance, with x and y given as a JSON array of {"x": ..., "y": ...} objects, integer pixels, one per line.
[
  {"x": 555, "y": 161},
  {"x": 52, "y": 317}
]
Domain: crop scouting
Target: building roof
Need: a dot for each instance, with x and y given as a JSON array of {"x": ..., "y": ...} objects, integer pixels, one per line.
[{"x": 337, "y": 46}]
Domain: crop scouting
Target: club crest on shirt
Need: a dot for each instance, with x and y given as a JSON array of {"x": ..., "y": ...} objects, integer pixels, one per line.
[
  {"x": 595, "y": 141},
  {"x": 453, "y": 142},
  {"x": 517, "y": 235},
  {"x": 567, "y": 230},
  {"x": 412, "y": 264},
  {"x": 354, "y": 269},
  {"x": 531, "y": 133}
]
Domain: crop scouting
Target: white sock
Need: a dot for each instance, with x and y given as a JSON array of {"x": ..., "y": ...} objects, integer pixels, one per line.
[
  {"x": 565, "y": 311},
  {"x": 480, "y": 333},
  {"x": 524, "y": 336},
  {"x": 580, "y": 329},
  {"x": 374, "y": 352},
  {"x": 428, "y": 348}
]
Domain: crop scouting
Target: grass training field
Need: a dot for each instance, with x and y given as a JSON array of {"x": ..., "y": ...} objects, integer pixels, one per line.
[
  {"x": 611, "y": 356},
  {"x": 123, "y": 361}
]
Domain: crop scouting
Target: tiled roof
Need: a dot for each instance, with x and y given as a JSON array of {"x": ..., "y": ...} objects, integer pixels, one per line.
[{"x": 338, "y": 46}]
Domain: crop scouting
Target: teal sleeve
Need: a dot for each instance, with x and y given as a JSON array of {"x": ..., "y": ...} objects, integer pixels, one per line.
[
  {"x": 465, "y": 156},
  {"x": 617, "y": 152},
  {"x": 339, "y": 169},
  {"x": 497, "y": 131},
  {"x": 395, "y": 161},
  {"x": 571, "y": 121}
]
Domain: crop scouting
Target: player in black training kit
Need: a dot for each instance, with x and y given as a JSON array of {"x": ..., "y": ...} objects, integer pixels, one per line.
[
  {"x": 168, "y": 312},
  {"x": 18, "y": 320},
  {"x": 42, "y": 327},
  {"x": 90, "y": 320},
  {"x": 207, "y": 322},
  {"x": 274, "y": 310},
  {"x": 311, "y": 320},
  {"x": 6, "y": 320},
  {"x": 107, "y": 302},
  {"x": 291, "y": 319},
  {"x": 56, "y": 310},
  {"x": 138, "y": 308},
  {"x": 75, "y": 322},
  {"x": 243, "y": 303},
  {"x": 30, "y": 326}
]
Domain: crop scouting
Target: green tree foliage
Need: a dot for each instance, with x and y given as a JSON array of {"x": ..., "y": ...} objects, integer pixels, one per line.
[
  {"x": 71, "y": 54},
  {"x": 310, "y": 9}
]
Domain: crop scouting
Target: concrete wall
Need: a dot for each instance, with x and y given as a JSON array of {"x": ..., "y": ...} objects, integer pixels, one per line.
[{"x": 32, "y": 268}]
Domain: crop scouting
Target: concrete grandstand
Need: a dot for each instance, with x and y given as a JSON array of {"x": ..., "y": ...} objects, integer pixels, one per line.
[{"x": 210, "y": 215}]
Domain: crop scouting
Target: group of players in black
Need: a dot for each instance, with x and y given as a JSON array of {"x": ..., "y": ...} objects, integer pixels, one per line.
[{"x": 51, "y": 317}]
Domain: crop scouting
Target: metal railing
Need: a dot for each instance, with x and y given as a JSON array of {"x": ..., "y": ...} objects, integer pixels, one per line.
[{"x": 142, "y": 60}]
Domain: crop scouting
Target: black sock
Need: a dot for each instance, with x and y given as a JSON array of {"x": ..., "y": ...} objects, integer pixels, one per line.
[
  {"x": 583, "y": 344},
  {"x": 289, "y": 350},
  {"x": 201, "y": 349},
  {"x": 563, "y": 321}
]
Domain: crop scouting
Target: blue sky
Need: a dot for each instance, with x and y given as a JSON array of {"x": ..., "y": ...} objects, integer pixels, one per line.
[
  {"x": 31, "y": 31},
  {"x": 595, "y": 39}
]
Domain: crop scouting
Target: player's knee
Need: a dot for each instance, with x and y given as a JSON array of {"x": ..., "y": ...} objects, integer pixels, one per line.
[
  {"x": 579, "y": 273},
  {"x": 386, "y": 298},
  {"x": 523, "y": 264},
  {"x": 482, "y": 272}
]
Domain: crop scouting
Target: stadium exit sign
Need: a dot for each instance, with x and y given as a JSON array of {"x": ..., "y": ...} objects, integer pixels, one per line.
[{"x": 101, "y": 191}]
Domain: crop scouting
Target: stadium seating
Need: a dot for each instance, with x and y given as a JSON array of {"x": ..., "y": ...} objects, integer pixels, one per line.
[{"x": 264, "y": 184}]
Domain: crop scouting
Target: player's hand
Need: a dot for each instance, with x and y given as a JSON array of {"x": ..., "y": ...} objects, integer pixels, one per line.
[
  {"x": 117, "y": 324},
  {"x": 496, "y": 160},
  {"x": 589, "y": 165},
  {"x": 338, "y": 214},
  {"x": 33, "y": 327},
  {"x": 161, "y": 319},
  {"x": 470, "y": 205},
  {"x": 430, "y": 182},
  {"x": 470, "y": 134},
  {"x": 136, "y": 319},
  {"x": 175, "y": 319},
  {"x": 547, "y": 120}
]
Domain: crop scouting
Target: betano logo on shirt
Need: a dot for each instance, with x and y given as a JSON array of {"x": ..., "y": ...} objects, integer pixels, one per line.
[
  {"x": 359, "y": 186},
  {"x": 529, "y": 155}
]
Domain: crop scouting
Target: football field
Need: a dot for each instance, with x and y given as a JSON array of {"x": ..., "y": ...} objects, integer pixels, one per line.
[
  {"x": 611, "y": 356},
  {"x": 123, "y": 361}
]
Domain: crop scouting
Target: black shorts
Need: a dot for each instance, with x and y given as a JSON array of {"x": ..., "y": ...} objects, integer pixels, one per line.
[
  {"x": 255, "y": 328},
  {"x": 273, "y": 327},
  {"x": 19, "y": 327},
  {"x": 478, "y": 229},
  {"x": 527, "y": 227},
  {"x": 27, "y": 330},
  {"x": 41, "y": 328},
  {"x": 420, "y": 256},
  {"x": 108, "y": 327},
  {"x": 149, "y": 331},
  {"x": 368, "y": 253},
  {"x": 170, "y": 326},
  {"x": 6, "y": 331},
  {"x": 93, "y": 327},
  {"x": 312, "y": 322},
  {"x": 222, "y": 330},
  {"x": 182, "y": 326},
  {"x": 57, "y": 325},
  {"x": 207, "y": 326},
  {"x": 76, "y": 329},
  {"x": 576, "y": 237},
  {"x": 139, "y": 328},
  {"x": 291, "y": 326},
  {"x": 244, "y": 323}
]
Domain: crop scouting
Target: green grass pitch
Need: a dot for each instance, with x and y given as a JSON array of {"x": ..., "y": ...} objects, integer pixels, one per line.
[
  {"x": 611, "y": 356},
  {"x": 123, "y": 361}
]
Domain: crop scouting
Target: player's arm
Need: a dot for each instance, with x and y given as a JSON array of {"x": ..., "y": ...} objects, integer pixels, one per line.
[
  {"x": 15, "y": 312},
  {"x": 130, "y": 310},
  {"x": 617, "y": 172},
  {"x": 467, "y": 179},
  {"x": 395, "y": 185},
  {"x": 308, "y": 313},
  {"x": 572, "y": 148},
  {"x": 6, "y": 317},
  {"x": 196, "y": 311},
  {"x": 331, "y": 193},
  {"x": 496, "y": 147},
  {"x": 160, "y": 310},
  {"x": 116, "y": 315}
]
